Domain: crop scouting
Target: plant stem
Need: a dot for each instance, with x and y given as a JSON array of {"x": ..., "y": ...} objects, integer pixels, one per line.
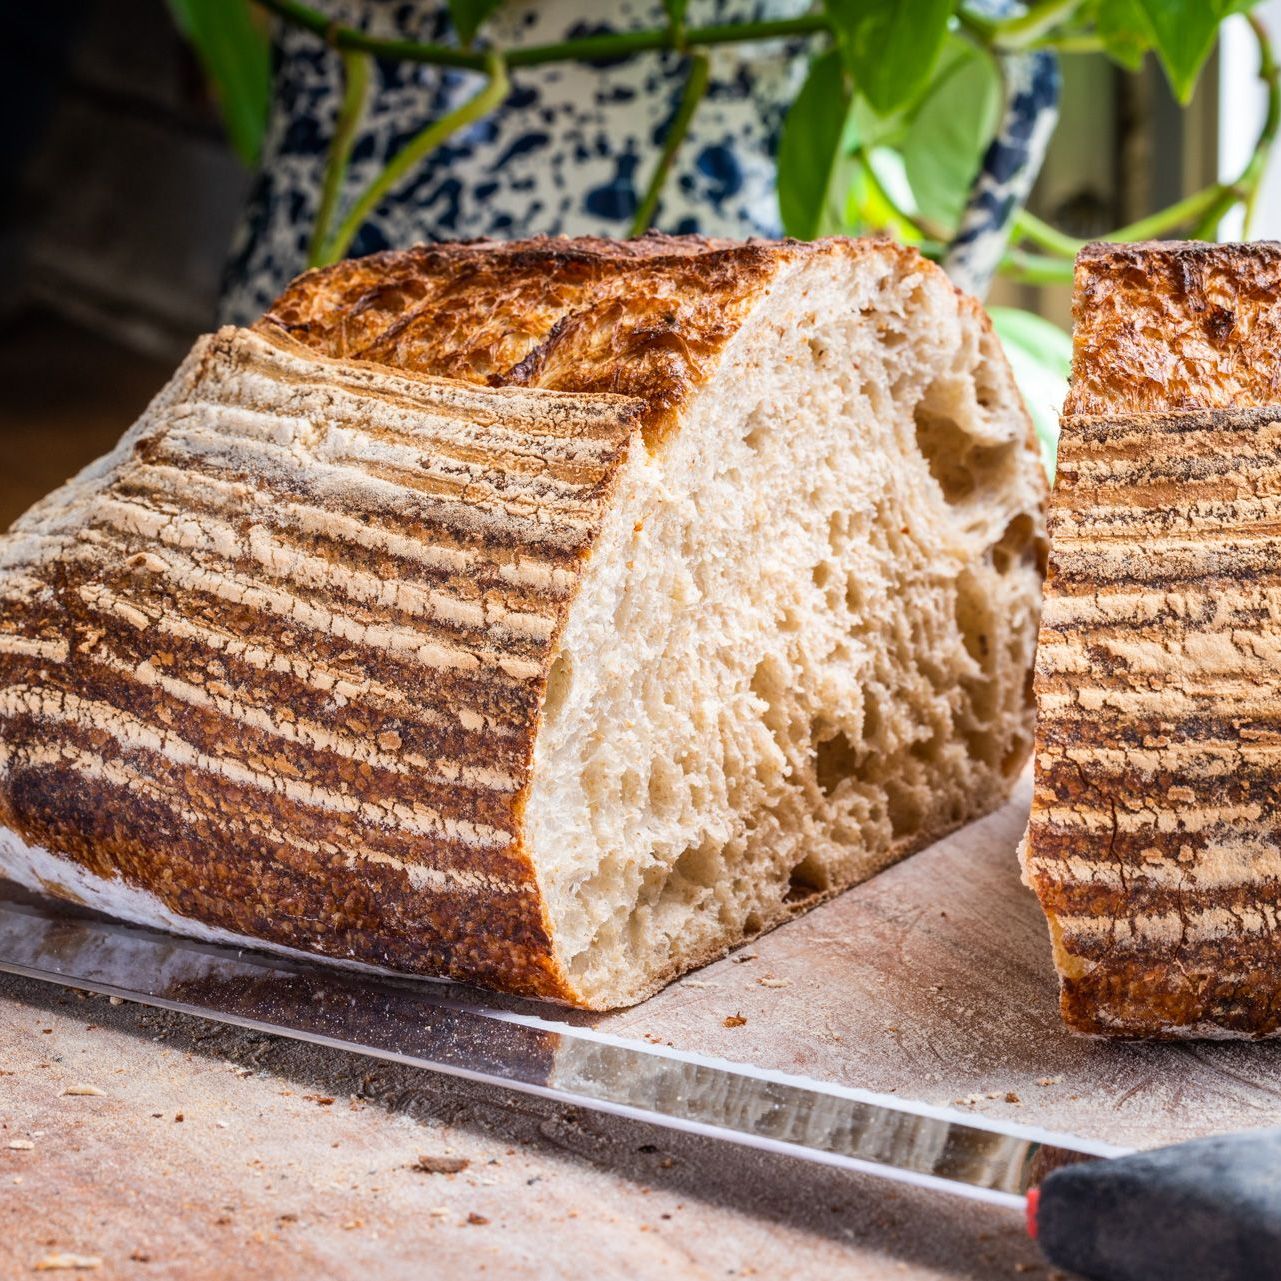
[
  {"x": 1200, "y": 205},
  {"x": 1202, "y": 210},
  {"x": 1070, "y": 44},
  {"x": 357, "y": 72},
  {"x": 1245, "y": 189},
  {"x": 1034, "y": 269},
  {"x": 399, "y": 166},
  {"x": 1019, "y": 32},
  {"x": 583, "y": 49},
  {"x": 622, "y": 43},
  {"x": 1027, "y": 226},
  {"x": 1191, "y": 210},
  {"x": 695, "y": 88},
  {"x": 922, "y": 226},
  {"x": 1270, "y": 74},
  {"x": 340, "y": 37}
]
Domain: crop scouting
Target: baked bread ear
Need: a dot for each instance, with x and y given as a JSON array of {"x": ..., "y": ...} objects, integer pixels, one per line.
[
  {"x": 551, "y": 616},
  {"x": 1155, "y": 839}
]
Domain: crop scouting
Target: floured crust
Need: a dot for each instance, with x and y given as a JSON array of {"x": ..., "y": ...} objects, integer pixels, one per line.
[
  {"x": 304, "y": 620},
  {"x": 1155, "y": 837}
]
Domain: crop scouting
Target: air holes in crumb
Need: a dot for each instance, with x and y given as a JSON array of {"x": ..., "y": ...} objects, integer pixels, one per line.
[
  {"x": 769, "y": 685},
  {"x": 872, "y": 723},
  {"x": 973, "y": 620},
  {"x": 822, "y": 574},
  {"x": 957, "y": 462},
  {"x": 985, "y": 391},
  {"x": 835, "y": 759},
  {"x": 1013, "y": 759},
  {"x": 982, "y": 744},
  {"x": 946, "y": 450},
  {"x": 757, "y": 429},
  {"x": 838, "y": 528},
  {"x": 1014, "y": 543},
  {"x": 630, "y": 788},
  {"x": 701, "y": 864},
  {"x": 904, "y": 809},
  {"x": 929, "y": 750},
  {"x": 805, "y": 881},
  {"x": 665, "y": 780},
  {"x": 559, "y": 680},
  {"x": 874, "y": 394}
]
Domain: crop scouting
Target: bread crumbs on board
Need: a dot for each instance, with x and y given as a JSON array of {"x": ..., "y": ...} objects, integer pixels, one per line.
[{"x": 428, "y": 1164}]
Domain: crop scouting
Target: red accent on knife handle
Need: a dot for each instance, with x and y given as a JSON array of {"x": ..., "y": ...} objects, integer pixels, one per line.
[{"x": 1033, "y": 1205}]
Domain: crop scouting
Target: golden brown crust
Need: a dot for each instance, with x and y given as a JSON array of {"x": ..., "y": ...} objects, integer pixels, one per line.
[
  {"x": 645, "y": 318},
  {"x": 1155, "y": 837},
  {"x": 1168, "y": 325}
]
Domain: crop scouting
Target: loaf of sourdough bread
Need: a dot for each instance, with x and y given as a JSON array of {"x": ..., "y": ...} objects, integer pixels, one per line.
[
  {"x": 551, "y": 616},
  {"x": 1155, "y": 837}
]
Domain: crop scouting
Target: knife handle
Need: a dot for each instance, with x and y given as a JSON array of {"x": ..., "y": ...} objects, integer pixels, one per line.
[{"x": 1209, "y": 1210}]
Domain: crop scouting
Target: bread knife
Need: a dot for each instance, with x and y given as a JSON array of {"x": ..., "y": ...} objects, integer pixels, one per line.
[{"x": 1094, "y": 1208}]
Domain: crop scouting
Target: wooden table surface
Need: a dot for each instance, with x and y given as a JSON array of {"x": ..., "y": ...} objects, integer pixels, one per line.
[{"x": 214, "y": 1152}]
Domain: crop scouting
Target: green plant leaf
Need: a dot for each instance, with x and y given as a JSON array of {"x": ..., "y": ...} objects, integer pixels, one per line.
[
  {"x": 889, "y": 46},
  {"x": 235, "y": 52},
  {"x": 944, "y": 144},
  {"x": 469, "y": 15},
  {"x": 1125, "y": 31},
  {"x": 675, "y": 11},
  {"x": 1040, "y": 354},
  {"x": 814, "y": 163},
  {"x": 1183, "y": 33}
]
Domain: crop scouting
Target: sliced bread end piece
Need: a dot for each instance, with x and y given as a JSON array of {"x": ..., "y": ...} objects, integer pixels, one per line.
[{"x": 1155, "y": 842}]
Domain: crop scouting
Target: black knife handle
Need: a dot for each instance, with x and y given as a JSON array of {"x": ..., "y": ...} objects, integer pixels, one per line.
[{"x": 1209, "y": 1210}]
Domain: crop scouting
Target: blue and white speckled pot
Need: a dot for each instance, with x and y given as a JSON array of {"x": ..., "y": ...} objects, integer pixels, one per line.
[{"x": 570, "y": 151}]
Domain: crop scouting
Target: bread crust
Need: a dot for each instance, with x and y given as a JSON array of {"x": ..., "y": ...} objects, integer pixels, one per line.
[
  {"x": 647, "y": 318},
  {"x": 1162, "y": 326},
  {"x": 1155, "y": 837}
]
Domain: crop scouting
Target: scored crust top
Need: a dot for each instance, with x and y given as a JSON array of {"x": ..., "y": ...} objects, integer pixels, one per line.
[{"x": 645, "y": 318}]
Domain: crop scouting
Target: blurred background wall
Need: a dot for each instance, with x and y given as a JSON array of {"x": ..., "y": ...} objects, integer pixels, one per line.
[
  {"x": 122, "y": 191},
  {"x": 118, "y": 196}
]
